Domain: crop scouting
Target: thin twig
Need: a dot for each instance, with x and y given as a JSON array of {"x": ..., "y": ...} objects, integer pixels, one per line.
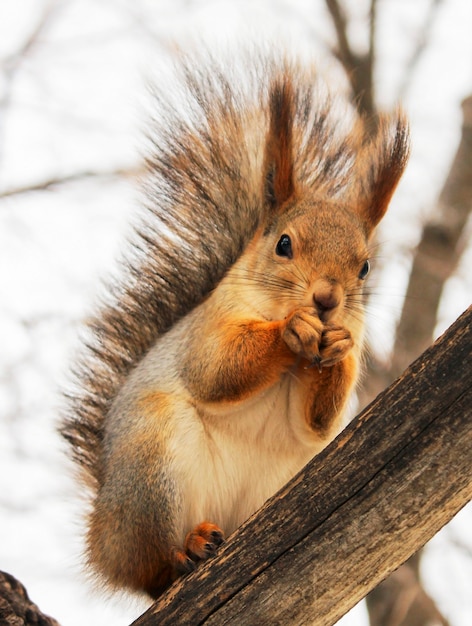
[
  {"x": 372, "y": 51},
  {"x": 13, "y": 61},
  {"x": 422, "y": 43},
  {"x": 71, "y": 178}
]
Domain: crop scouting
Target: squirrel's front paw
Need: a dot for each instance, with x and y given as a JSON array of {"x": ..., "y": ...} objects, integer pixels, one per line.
[
  {"x": 302, "y": 332},
  {"x": 336, "y": 342}
]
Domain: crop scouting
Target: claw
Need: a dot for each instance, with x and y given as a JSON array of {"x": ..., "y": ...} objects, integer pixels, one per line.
[{"x": 316, "y": 362}]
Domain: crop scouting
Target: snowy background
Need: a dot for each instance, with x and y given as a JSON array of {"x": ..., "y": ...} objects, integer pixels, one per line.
[{"x": 72, "y": 95}]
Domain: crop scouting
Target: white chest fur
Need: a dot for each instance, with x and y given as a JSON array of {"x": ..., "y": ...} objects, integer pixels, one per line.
[{"x": 245, "y": 454}]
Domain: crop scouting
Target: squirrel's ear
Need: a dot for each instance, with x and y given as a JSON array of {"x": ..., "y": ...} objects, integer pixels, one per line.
[
  {"x": 380, "y": 163},
  {"x": 278, "y": 161}
]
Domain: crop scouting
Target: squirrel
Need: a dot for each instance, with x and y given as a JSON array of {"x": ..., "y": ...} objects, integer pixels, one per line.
[{"x": 224, "y": 357}]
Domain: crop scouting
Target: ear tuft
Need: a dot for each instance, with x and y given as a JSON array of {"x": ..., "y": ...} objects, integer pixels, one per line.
[
  {"x": 278, "y": 165},
  {"x": 381, "y": 163}
]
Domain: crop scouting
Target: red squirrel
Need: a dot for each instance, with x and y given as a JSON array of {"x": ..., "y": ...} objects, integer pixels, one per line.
[{"x": 225, "y": 356}]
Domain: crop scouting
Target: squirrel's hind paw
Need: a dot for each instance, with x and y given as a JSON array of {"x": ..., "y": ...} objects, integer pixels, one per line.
[
  {"x": 182, "y": 564},
  {"x": 203, "y": 541}
]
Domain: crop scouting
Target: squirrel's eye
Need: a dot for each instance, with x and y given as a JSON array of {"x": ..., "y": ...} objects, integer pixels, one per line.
[
  {"x": 365, "y": 270},
  {"x": 284, "y": 247}
]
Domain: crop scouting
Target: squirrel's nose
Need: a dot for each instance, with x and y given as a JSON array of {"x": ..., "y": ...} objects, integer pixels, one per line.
[{"x": 326, "y": 297}]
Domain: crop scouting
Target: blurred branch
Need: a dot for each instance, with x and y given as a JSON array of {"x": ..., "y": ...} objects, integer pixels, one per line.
[
  {"x": 400, "y": 600},
  {"x": 437, "y": 254},
  {"x": 436, "y": 257},
  {"x": 11, "y": 63},
  {"x": 44, "y": 185},
  {"x": 462, "y": 546},
  {"x": 422, "y": 42},
  {"x": 358, "y": 67},
  {"x": 343, "y": 52}
]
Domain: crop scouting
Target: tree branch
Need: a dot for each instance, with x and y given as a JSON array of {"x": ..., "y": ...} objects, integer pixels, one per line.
[
  {"x": 384, "y": 487},
  {"x": 16, "y": 607}
]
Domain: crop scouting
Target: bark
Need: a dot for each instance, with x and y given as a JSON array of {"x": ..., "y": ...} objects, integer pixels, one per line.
[
  {"x": 16, "y": 608},
  {"x": 384, "y": 487}
]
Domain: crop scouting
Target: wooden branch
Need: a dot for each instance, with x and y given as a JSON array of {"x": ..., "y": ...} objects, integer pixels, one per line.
[
  {"x": 384, "y": 487},
  {"x": 16, "y": 608}
]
